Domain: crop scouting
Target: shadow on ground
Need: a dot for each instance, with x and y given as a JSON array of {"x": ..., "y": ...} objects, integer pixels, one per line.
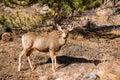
[
  {"x": 92, "y": 30},
  {"x": 67, "y": 60}
]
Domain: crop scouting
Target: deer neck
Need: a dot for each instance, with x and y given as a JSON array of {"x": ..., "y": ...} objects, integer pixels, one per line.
[{"x": 62, "y": 41}]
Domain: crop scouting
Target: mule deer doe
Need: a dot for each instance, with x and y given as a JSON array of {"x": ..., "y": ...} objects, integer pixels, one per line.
[{"x": 50, "y": 42}]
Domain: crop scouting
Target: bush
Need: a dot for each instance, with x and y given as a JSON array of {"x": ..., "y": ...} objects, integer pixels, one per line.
[
  {"x": 2, "y": 19},
  {"x": 65, "y": 7},
  {"x": 65, "y": 11},
  {"x": 10, "y": 2}
]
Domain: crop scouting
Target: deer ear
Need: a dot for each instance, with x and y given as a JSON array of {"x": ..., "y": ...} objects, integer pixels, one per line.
[{"x": 59, "y": 27}]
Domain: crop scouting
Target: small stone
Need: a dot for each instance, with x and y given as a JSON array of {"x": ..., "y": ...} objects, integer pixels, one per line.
[
  {"x": 6, "y": 36},
  {"x": 90, "y": 76},
  {"x": 58, "y": 79},
  {"x": 8, "y": 9}
]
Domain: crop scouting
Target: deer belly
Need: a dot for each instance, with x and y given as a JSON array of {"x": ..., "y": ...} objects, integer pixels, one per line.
[{"x": 41, "y": 45}]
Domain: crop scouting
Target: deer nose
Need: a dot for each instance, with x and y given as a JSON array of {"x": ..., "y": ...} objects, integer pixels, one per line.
[{"x": 64, "y": 35}]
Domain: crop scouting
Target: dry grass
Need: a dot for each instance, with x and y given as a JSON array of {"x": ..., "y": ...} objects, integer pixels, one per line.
[{"x": 77, "y": 58}]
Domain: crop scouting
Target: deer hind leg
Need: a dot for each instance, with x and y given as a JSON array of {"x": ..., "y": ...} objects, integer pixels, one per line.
[
  {"x": 20, "y": 56},
  {"x": 52, "y": 55},
  {"x": 28, "y": 58}
]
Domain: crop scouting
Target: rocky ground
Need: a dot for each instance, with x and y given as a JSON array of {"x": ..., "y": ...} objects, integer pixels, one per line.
[
  {"x": 92, "y": 52},
  {"x": 97, "y": 58}
]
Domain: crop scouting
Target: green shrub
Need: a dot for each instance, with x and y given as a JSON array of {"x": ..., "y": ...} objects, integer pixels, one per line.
[
  {"x": 3, "y": 20},
  {"x": 24, "y": 3},
  {"x": 7, "y": 2},
  {"x": 97, "y": 3},
  {"x": 64, "y": 8},
  {"x": 66, "y": 11}
]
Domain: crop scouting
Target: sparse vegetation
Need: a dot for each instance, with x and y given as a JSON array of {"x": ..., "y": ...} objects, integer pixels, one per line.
[
  {"x": 2, "y": 19},
  {"x": 92, "y": 47},
  {"x": 65, "y": 7},
  {"x": 16, "y": 21}
]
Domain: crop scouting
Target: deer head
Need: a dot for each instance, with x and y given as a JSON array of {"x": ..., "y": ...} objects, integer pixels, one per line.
[{"x": 65, "y": 31}]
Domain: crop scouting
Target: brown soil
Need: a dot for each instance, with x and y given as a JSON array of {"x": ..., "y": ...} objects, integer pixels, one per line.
[
  {"x": 99, "y": 53},
  {"x": 77, "y": 58}
]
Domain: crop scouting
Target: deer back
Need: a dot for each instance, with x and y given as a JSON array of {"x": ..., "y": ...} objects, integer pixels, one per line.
[{"x": 53, "y": 40}]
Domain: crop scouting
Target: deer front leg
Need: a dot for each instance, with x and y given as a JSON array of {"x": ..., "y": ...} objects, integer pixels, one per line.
[
  {"x": 55, "y": 61},
  {"x": 52, "y": 55}
]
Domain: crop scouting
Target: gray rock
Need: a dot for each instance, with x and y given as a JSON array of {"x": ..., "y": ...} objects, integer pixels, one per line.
[
  {"x": 90, "y": 76},
  {"x": 8, "y": 9},
  {"x": 43, "y": 10}
]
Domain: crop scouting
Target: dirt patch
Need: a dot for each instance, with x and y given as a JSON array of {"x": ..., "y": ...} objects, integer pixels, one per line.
[{"x": 76, "y": 58}]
